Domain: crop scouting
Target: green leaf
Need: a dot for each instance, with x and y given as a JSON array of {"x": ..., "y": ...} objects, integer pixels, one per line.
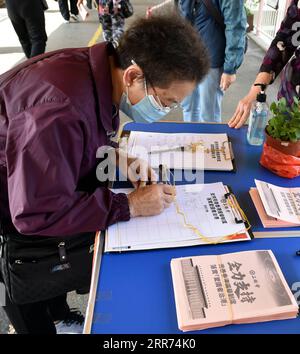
[{"x": 285, "y": 121}]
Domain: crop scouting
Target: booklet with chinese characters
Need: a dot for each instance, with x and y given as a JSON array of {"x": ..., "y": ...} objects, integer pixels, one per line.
[
  {"x": 244, "y": 287},
  {"x": 211, "y": 208},
  {"x": 276, "y": 206},
  {"x": 188, "y": 151}
]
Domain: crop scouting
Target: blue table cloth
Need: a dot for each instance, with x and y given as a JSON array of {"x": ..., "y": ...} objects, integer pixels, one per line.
[{"x": 135, "y": 292}]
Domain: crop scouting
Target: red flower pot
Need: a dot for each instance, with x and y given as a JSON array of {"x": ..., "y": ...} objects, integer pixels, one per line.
[{"x": 286, "y": 147}]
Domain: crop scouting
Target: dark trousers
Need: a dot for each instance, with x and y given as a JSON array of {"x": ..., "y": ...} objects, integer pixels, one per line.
[
  {"x": 39, "y": 317},
  {"x": 28, "y": 20},
  {"x": 89, "y": 4},
  {"x": 64, "y": 8}
]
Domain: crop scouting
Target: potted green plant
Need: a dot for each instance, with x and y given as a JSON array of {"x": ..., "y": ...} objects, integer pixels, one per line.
[{"x": 283, "y": 129}]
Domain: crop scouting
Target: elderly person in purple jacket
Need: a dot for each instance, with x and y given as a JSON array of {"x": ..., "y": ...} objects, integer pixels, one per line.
[{"x": 57, "y": 112}]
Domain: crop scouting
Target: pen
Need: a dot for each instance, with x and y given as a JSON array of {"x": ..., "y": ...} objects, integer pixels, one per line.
[
  {"x": 234, "y": 209},
  {"x": 163, "y": 177},
  {"x": 159, "y": 151},
  {"x": 192, "y": 146}
]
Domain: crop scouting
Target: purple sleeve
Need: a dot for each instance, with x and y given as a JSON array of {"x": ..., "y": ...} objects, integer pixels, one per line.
[
  {"x": 284, "y": 44},
  {"x": 43, "y": 159}
]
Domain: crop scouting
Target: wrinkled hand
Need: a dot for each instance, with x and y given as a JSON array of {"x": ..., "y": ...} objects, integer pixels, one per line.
[
  {"x": 151, "y": 200},
  {"x": 242, "y": 113},
  {"x": 226, "y": 81}
]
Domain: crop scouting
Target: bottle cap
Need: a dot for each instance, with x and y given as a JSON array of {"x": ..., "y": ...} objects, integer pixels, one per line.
[{"x": 261, "y": 97}]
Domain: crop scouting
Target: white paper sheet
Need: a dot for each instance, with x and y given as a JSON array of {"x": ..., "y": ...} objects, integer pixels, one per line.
[
  {"x": 213, "y": 153},
  {"x": 280, "y": 203},
  {"x": 204, "y": 206}
]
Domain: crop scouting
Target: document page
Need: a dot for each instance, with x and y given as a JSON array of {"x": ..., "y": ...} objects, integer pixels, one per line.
[
  {"x": 204, "y": 206},
  {"x": 183, "y": 151},
  {"x": 280, "y": 203}
]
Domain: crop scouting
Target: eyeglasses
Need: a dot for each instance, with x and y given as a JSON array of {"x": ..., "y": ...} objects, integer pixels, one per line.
[{"x": 160, "y": 104}]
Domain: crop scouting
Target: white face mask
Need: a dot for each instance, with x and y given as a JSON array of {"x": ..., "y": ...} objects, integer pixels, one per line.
[{"x": 148, "y": 110}]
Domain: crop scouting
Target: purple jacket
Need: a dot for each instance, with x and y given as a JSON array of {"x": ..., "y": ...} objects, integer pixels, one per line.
[
  {"x": 54, "y": 115},
  {"x": 284, "y": 57}
]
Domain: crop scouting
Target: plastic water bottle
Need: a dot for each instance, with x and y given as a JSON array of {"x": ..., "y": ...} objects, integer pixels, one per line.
[{"x": 258, "y": 118}]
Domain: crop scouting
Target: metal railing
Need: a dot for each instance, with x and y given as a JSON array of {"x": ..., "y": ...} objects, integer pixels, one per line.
[{"x": 267, "y": 20}]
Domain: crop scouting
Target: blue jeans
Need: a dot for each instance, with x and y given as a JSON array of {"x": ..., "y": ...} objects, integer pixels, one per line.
[{"x": 204, "y": 105}]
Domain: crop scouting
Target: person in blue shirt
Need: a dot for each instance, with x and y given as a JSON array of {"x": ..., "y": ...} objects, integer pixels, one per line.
[{"x": 226, "y": 48}]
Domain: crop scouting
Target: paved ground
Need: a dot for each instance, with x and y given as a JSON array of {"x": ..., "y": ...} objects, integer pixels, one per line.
[{"x": 79, "y": 35}]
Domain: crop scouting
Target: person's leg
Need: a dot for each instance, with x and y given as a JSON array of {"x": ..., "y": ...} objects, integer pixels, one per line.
[
  {"x": 73, "y": 7},
  {"x": 189, "y": 106},
  {"x": 35, "y": 22},
  {"x": 59, "y": 308},
  {"x": 19, "y": 25},
  {"x": 204, "y": 105},
  {"x": 66, "y": 320},
  {"x": 118, "y": 23},
  {"x": 106, "y": 23},
  {"x": 31, "y": 318},
  {"x": 210, "y": 97},
  {"x": 64, "y": 9},
  {"x": 89, "y": 4},
  {"x": 218, "y": 105}
]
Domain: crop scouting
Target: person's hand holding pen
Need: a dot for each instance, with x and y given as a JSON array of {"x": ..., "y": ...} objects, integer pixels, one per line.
[
  {"x": 145, "y": 200},
  {"x": 151, "y": 200},
  {"x": 148, "y": 200}
]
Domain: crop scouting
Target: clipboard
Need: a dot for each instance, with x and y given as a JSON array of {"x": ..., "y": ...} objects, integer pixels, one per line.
[
  {"x": 125, "y": 134},
  {"x": 138, "y": 235},
  {"x": 245, "y": 221}
]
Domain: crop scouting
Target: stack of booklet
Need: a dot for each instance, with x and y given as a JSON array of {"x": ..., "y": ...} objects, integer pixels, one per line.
[
  {"x": 276, "y": 206},
  {"x": 245, "y": 287}
]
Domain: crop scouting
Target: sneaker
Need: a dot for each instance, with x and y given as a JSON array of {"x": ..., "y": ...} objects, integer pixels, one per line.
[
  {"x": 74, "y": 18},
  {"x": 73, "y": 324},
  {"x": 11, "y": 330}
]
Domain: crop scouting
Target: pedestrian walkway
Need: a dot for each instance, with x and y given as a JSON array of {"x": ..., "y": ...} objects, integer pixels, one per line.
[{"x": 62, "y": 35}]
